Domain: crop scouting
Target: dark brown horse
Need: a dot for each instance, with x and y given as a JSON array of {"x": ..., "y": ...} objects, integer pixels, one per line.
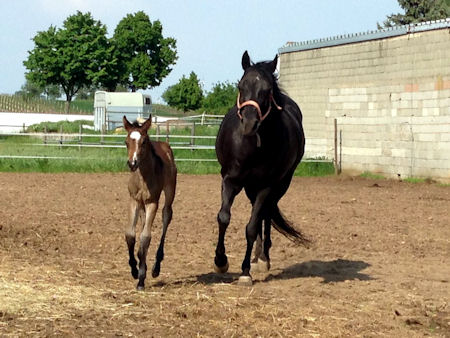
[
  {"x": 153, "y": 170},
  {"x": 259, "y": 145}
]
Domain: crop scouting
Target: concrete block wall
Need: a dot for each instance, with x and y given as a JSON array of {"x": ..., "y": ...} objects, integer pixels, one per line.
[{"x": 391, "y": 99}]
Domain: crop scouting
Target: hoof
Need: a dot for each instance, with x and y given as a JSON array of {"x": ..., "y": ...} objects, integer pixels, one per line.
[
  {"x": 140, "y": 288},
  {"x": 221, "y": 269},
  {"x": 134, "y": 273},
  {"x": 245, "y": 281},
  {"x": 155, "y": 271},
  {"x": 263, "y": 266}
]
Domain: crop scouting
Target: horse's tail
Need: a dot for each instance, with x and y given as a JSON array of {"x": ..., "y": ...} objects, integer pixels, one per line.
[{"x": 284, "y": 226}]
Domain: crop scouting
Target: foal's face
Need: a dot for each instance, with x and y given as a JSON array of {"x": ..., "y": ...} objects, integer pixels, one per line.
[{"x": 137, "y": 142}]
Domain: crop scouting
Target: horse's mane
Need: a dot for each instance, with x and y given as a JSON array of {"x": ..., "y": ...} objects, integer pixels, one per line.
[
  {"x": 278, "y": 93},
  {"x": 136, "y": 124}
]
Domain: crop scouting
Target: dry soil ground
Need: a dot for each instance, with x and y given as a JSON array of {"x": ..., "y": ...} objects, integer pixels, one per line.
[{"x": 379, "y": 265}]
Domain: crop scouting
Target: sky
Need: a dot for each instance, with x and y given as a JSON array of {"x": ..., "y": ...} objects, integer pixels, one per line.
[{"x": 211, "y": 35}]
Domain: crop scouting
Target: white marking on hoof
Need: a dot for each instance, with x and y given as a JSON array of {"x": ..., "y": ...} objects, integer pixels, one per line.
[
  {"x": 222, "y": 269},
  {"x": 245, "y": 281},
  {"x": 263, "y": 266}
]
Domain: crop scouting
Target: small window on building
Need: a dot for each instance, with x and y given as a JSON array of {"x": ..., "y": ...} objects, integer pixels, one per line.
[{"x": 147, "y": 100}]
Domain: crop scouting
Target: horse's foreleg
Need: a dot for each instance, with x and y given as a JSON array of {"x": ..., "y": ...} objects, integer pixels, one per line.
[
  {"x": 229, "y": 192},
  {"x": 130, "y": 236},
  {"x": 150, "y": 212},
  {"x": 251, "y": 232}
]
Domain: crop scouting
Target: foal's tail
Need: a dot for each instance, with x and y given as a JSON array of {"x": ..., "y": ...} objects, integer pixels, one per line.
[{"x": 282, "y": 225}]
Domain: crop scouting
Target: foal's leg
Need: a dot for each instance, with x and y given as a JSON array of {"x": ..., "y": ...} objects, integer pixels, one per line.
[
  {"x": 251, "y": 233},
  {"x": 229, "y": 192},
  {"x": 169, "y": 195},
  {"x": 130, "y": 236},
  {"x": 150, "y": 212}
]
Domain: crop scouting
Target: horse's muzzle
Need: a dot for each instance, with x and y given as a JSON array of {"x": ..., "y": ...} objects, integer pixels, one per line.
[{"x": 133, "y": 165}]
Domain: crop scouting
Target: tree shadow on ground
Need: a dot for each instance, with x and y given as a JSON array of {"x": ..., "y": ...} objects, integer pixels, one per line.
[{"x": 338, "y": 270}]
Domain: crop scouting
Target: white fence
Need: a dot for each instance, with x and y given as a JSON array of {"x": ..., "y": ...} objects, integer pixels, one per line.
[{"x": 14, "y": 124}]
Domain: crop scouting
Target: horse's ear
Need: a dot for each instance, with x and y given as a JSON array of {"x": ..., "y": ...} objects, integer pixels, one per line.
[
  {"x": 126, "y": 124},
  {"x": 147, "y": 124},
  {"x": 273, "y": 64},
  {"x": 245, "y": 60}
]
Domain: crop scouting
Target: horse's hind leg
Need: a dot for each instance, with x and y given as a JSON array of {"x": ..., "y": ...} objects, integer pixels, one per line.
[
  {"x": 150, "y": 212},
  {"x": 130, "y": 236},
  {"x": 264, "y": 258},
  {"x": 258, "y": 245},
  {"x": 251, "y": 233},
  {"x": 167, "y": 217},
  {"x": 261, "y": 259}
]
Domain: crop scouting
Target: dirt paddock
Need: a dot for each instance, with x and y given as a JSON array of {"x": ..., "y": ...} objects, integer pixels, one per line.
[{"x": 379, "y": 265}]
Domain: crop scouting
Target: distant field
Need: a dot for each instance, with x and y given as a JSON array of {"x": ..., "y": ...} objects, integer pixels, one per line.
[{"x": 15, "y": 103}]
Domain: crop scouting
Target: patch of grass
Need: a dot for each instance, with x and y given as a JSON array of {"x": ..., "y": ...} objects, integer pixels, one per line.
[
  {"x": 314, "y": 169},
  {"x": 368, "y": 174},
  {"x": 56, "y": 127},
  {"x": 427, "y": 180}
]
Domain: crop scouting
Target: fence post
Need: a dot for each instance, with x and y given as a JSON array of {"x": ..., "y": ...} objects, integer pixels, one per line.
[
  {"x": 336, "y": 169},
  {"x": 193, "y": 136},
  {"x": 203, "y": 118},
  {"x": 340, "y": 151},
  {"x": 157, "y": 132},
  {"x": 60, "y": 137},
  {"x": 167, "y": 131},
  {"x": 45, "y": 135},
  {"x": 24, "y": 128},
  {"x": 81, "y": 137}
]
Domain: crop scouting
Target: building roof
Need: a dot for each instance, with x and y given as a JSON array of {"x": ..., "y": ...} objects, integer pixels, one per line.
[{"x": 364, "y": 36}]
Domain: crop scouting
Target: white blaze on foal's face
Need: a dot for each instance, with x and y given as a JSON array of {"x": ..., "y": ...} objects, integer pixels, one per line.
[{"x": 135, "y": 135}]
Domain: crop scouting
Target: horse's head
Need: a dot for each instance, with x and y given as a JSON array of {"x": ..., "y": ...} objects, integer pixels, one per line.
[
  {"x": 256, "y": 93},
  {"x": 136, "y": 141}
]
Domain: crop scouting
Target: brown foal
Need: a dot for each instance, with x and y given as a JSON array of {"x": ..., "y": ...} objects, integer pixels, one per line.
[{"x": 153, "y": 170}]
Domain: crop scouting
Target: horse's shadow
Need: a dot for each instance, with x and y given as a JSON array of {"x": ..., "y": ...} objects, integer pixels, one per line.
[{"x": 338, "y": 270}]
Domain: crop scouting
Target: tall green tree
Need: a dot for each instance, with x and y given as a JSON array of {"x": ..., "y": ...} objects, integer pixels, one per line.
[
  {"x": 71, "y": 57},
  {"x": 221, "y": 98},
  {"x": 29, "y": 90},
  {"x": 145, "y": 56},
  {"x": 418, "y": 11},
  {"x": 186, "y": 95}
]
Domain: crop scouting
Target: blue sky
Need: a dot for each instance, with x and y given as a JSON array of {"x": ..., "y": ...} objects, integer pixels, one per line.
[{"x": 211, "y": 35}]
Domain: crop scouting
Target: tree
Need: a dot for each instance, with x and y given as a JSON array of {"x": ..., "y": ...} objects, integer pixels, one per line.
[
  {"x": 186, "y": 95},
  {"x": 72, "y": 57},
  {"x": 31, "y": 90},
  {"x": 418, "y": 11},
  {"x": 221, "y": 98},
  {"x": 144, "y": 56}
]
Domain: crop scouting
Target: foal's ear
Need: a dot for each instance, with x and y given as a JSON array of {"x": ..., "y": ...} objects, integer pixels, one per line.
[
  {"x": 273, "y": 64},
  {"x": 126, "y": 124},
  {"x": 245, "y": 60},
  {"x": 147, "y": 124}
]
